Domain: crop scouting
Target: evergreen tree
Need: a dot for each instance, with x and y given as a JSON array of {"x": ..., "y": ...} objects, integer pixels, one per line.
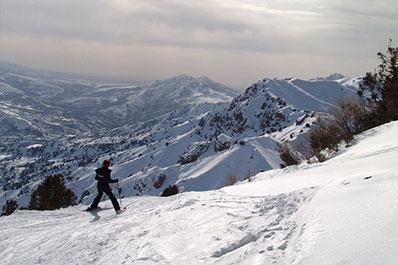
[
  {"x": 383, "y": 88},
  {"x": 52, "y": 194},
  {"x": 170, "y": 191}
]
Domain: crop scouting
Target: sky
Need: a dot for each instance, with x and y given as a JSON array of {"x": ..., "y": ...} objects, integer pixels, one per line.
[{"x": 233, "y": 42}]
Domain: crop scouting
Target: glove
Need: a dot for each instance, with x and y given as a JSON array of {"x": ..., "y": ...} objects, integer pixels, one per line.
[{"x": 117, "y": 180}]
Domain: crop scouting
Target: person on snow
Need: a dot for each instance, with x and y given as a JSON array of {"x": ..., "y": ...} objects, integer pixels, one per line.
[{"x": 103, "y": 175}]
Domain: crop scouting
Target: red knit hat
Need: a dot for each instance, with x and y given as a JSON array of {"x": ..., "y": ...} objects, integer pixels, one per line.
[{"x": 106, "y": 163}]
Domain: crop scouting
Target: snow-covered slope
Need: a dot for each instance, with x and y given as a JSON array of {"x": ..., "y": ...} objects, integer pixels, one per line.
[
  {"x": 343, "y": 211},
  {"x": 196, "y": 146},
  {"x": 314, "y": 94}
]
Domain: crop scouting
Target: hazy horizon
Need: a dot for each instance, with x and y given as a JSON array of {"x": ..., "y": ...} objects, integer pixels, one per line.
[{"x": 233, "y": 42}]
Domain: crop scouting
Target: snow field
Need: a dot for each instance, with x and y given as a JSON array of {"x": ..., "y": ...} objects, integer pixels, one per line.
[
  {"x": 342, "y": 211},
  {"x": 190, "y": 228}
]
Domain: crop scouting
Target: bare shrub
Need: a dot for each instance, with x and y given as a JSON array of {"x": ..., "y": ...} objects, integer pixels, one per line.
[
  {"x": 287, "y": 155},
  {"x": 346, "y": 120},
  {"x": 247, "y": 173},
  {"x": 302, "y": 148},
  {"x": 231, "y": 179},
  {"x": 349, "y": 116},
  {"x": 326, "y": 136}
]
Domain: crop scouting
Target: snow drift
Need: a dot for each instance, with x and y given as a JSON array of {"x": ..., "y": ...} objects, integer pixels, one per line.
[{"x": 342, "y": 211}]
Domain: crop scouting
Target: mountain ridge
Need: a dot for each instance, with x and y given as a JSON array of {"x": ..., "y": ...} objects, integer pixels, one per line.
[
  {"x": 194, "y": 146},
  {"x": 92, "y": 107}
]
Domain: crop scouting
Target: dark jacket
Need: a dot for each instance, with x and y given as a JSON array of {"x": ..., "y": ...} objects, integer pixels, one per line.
[{"x": 104, "y": 176}]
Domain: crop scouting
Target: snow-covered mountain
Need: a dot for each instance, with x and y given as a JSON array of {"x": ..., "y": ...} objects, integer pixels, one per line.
[
  {"x": 314, "y": 94},
  {"x": 342, "y": 211},
  {"x": 35, "y": 103},
  {"x": 196, "y": 146}
]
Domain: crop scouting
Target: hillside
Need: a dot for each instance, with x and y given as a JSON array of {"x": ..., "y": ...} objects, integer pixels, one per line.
[
  {"x": 196, "y": 146},
  {"x": 342, "y": 211},
  {"x": 40, "y": 104}
]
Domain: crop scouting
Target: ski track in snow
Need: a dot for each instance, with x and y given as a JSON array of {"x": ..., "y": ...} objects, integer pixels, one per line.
[{"x": 241, "y": 227}]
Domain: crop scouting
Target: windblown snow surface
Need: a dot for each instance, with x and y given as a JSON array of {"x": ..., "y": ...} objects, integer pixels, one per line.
[{"x": 342, "y": 211}]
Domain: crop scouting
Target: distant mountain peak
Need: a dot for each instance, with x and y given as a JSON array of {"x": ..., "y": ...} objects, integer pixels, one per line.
[
  {"x": 175, "y": 79},
  {"x": 184, "y": 77},
  {"x": 332, "y": 77},
  {"x": 335, "y": 76},
  {"x": 181, "y": 77}
]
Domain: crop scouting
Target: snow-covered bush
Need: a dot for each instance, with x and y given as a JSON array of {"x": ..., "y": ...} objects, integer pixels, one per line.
[{"x": 158, "y": 181}]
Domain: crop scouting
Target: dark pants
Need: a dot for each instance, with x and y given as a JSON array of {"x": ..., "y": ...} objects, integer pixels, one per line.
[{"x": 108, "y": 191}]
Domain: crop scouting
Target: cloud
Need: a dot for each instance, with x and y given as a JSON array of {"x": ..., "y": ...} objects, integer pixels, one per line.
[
  {"x": 235, "y": 29},
  {"x": 260, "y": 26}
]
